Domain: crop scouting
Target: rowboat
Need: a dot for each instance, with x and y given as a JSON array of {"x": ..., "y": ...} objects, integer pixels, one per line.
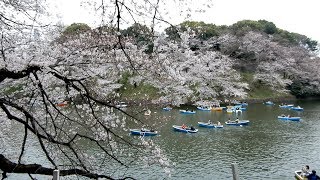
[
  {"x": 239, "y": 123},
  {"x": 143, "y": 132},
  {"x": 186, "y": 130},
  {"x": 187, "y": 112},
  {"x": 217, "y": 108},
  {"x": 167, "y": 108},
  {"x": 204, "y": 108},
  {"x": 242, "y": 104},
  {"x": 230, "y": 111},
  {"x": 64, "y": 103},
  {"x": 121, "y": 105},
  {"x": 286, "y": 106},
  {"x": 269, "y": 103},
  {"x": 230, "y": 107},
  {"x": 299, "y": 175},
  {"x": 298, "y": 108},
  {"x": 243, "y": 109},
  {"x": 209, "y": 125},
  {"x": 289, "y": 118}
]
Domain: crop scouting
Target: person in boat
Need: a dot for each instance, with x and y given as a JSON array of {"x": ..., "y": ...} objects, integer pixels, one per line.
[
  {"x": 313, "y": 175},
  {"x": 209, "y": 122},
  {"x": 229, "y": 121},
  {"x": 184, "y": 126},
  {"x": 192, "y": 128},
  {"x": 288, "y": 115},
  {"x": 219, "y": 124},
  {"x": 237, "y": 120},
  {"x": 305, "y": 171}
]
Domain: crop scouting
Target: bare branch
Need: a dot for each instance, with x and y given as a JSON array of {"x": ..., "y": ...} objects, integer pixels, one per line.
[
  {"x": 24, "y": 142},
  {"x": 9, "y": 167},
  {"x": 4, "y": 73}
]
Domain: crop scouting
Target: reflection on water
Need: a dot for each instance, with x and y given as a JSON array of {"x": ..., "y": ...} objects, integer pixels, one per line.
[{"x": 266, "y": 149}]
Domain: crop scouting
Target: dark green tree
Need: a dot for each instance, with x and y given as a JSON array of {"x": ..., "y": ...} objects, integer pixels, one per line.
[
  {"x": 141, "y": 34},
  {"x": 202, "y": 30},
  {"x": 76, "y": 28},
  {"x": 268, "y": 27},
  {"x": 242, "y": 27},
  {"x": 312, "y": 45},
  {"x": 173, "y": 33}
]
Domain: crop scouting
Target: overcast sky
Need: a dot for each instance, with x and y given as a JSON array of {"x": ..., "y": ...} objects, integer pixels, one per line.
[{"x": 300, "y": 16}]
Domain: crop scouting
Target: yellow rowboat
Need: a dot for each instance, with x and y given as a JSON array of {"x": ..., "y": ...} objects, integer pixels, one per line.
[{"x": 217, "y": 108}]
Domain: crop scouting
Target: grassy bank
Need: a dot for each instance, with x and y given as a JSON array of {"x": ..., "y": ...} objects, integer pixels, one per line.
[
  {"x": 258, "y": 92},
  {"x": 142, "y": 92}
]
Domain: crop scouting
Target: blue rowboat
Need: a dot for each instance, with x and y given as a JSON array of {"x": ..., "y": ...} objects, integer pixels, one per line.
[
  {"x": 209, "y": 125},
  {"x": 167, "y": 108},
  {"x": 244, "y": 104},
  {"x": 204, "y": 108},
  {"x": 286, "y": 106},
  {"x": 269, "y": 103},
  {"x": 186, "y": 130},
  {"x": 121, "y": 105},
  {"x": 187, "y": 112},
  {"x": 298, "y": 108},
  {"x": 289, "y": 118},
  {"x": 238, "y": 108},
  {"x": 239, "y": 123},
  {"x": 143, "y": 132}
]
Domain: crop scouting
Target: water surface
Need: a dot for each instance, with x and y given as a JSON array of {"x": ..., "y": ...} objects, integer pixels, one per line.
[{"x": 268, "y": 148}]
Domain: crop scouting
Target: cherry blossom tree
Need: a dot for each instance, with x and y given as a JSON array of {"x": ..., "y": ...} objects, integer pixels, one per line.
[
  {"x": 39, "y": 69},
  {"x": 271, "y": 63},
  {"x": 193, "y": 75}
]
